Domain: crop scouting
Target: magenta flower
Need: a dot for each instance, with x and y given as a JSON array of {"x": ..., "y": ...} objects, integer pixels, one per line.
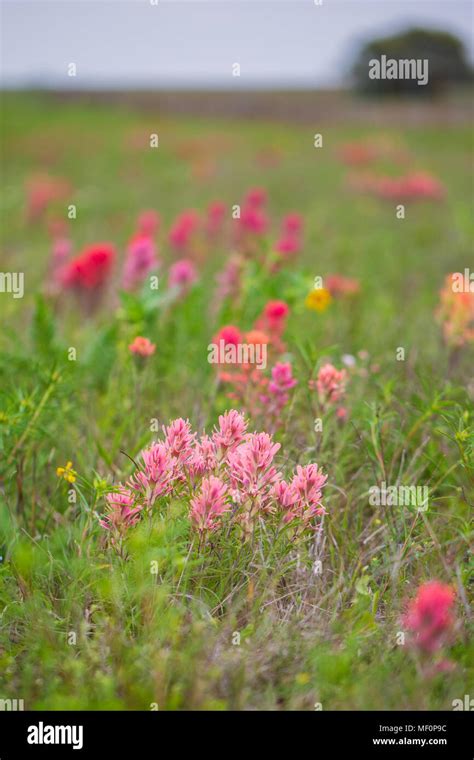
[
  {"x": 141, "y": 260},
  {"x": 253, "y": 220},
  {"x": 282, "y": 380},
  {"x": 182, "y": 275},
  {"x": 256, "y": 197},
  {"x": 183, "y": 229},
  {"x": 292, "y": 225},
  {"x": 288, "y": 246}
]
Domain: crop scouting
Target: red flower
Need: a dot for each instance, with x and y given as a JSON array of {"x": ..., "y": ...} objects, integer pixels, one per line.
[
  {"x": 90, "y": 268},
  {"x": 229, "y": 334},
  {"x": 430, "y": 616}
]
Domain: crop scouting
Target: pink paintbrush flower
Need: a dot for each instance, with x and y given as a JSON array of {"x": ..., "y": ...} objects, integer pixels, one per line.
[
  {"x": 231, "y": 431},
  {"x": 253, "y": 220},
  {"x": 251, "y": 468},
  {"x": 430, "y": 616},
  {"x": 179, "y": 440},
  {"x": 183, "y": 229},
  {"x": 292, "y": 224},
  {"x": 122, "y": 510},
  {"x": 209, "y": 505},
  {"x": 182, "y": 275},
  {"x": 330, "y": 384},
  {"x": 256, "y": 197},
  {"x": 141, "y": 260},
  {"x": 148, "y": 223},
  {"x": 308, "y": 484},
  {"x": 215, "y": 218}
]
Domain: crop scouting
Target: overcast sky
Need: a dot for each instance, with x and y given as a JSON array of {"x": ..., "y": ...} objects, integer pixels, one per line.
[{"x": 194, "y": 43}]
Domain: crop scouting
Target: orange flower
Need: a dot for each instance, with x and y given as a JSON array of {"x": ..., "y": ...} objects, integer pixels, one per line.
[{"x": 256, "y": 337}]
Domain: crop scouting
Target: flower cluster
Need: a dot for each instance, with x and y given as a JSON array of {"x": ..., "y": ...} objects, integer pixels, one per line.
[
  {"x": 229, "y": 476},
  {"x": 258, "y": 394},
  {"x": 408, "y": 187},
  {"x": 330, "y": 385}
]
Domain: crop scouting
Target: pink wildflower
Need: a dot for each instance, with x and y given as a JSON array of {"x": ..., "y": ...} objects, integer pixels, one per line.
[
  {"x": 430, "y": 616},
  {"x": 251, "y": 470},
  {"x": 231, "y": 430},
  {"x": 122, "y": 510},
  {"x": 256, "y": 197},
  {"x": 253, "y": 220},
  {"x": 209, "y": 505},
  {"x": 301, "y": 499},
  {"x": 292, "y": 224},
  {"x": 229, "y": 280},
  {"x": 156, "y": 476},
  {"x": 215, "y": 218},
  {"x": 141, "y": 259},
  {"x": 182, "y": 275},
  {"x": 330, "y": 384},
  {"x": 282, "y": 378},
  {"x": 308, "y": 483},
  {"x": 179, "y": 440},
  {"x": 142, "y": 347},
  {"x": 148, "y": 223},
  {"x": 288, "y": 246},
  {"x": 183, "y": 228},
  {"x": 338, "y": 285},
  {"x": 287, "y": 499},
  {"x": 204, "y": 458}
]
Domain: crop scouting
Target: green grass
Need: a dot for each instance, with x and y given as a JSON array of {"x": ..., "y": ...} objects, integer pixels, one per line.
[{"x": 144, "y": 640}]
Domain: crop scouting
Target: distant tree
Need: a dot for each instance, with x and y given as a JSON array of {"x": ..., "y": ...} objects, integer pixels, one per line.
[{"x": 447, "y": 63}]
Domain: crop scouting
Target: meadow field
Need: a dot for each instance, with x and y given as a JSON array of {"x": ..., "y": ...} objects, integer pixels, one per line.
[{"x": 219, "y": 570}]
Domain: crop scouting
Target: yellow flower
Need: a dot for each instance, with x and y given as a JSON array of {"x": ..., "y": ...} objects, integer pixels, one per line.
[
  {"x": 66, "y": 472},
  {"x": 302, "y": 679},
  {"x": 318, "y": 299}
]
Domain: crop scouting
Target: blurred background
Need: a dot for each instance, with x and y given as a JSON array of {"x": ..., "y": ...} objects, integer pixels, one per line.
[{"x": 173, "y": 47}]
